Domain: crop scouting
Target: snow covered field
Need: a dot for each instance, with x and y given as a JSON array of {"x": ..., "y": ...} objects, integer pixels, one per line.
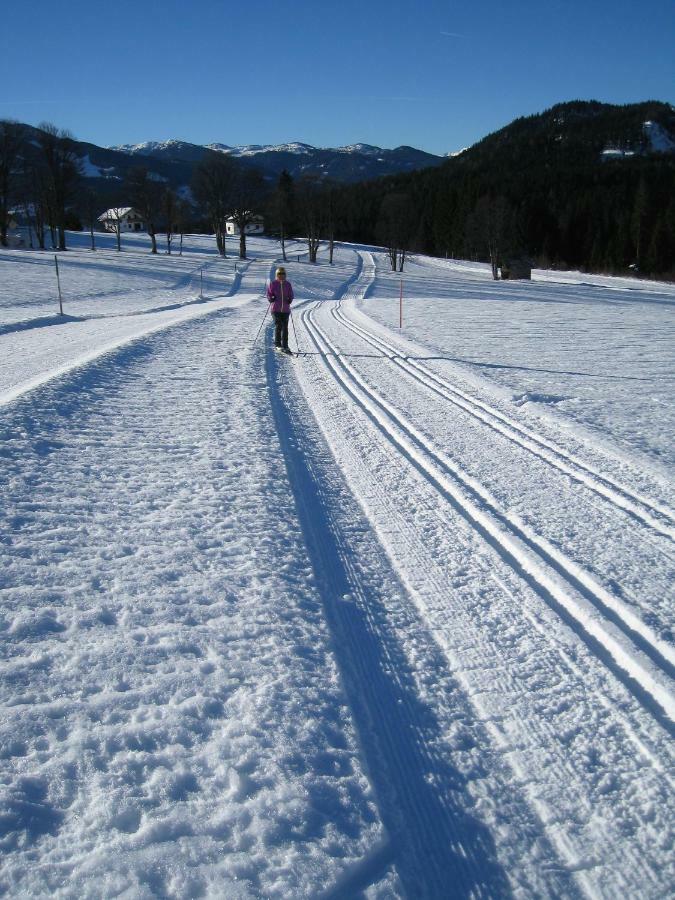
[{"x": 393, "y": 618}]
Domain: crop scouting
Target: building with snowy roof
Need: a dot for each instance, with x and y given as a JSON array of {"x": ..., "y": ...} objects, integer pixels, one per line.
[
  {"x": 255, "y": 226},
  {"x": 124, "y": 217}
]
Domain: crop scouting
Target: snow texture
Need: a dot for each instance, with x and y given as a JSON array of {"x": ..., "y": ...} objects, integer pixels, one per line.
[{"x": 391, "y": 618}]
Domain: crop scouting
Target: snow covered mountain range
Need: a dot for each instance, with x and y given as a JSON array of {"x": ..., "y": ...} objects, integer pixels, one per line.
[
  {"x": 354, "y": 162},
  {"x": 171, "y": 147}
]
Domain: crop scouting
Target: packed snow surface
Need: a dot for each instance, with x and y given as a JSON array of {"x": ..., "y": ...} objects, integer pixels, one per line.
[{"x": 391, "y": 618}]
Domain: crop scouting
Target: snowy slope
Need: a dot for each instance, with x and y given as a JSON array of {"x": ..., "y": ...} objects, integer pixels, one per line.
[{"x": 391, "y": 616}]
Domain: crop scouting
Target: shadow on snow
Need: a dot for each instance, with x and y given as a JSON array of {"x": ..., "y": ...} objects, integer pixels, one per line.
[{"x": 436, "y": 845}]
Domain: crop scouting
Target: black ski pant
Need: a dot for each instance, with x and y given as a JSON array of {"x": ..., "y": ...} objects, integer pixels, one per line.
[{"x": 281, "y": 329}]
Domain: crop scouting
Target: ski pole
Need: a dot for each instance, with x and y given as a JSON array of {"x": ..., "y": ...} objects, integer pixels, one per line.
[
  {"x": 269, "y": 306},
  {"x": 281, "y": 283},
  {"x": 295, "y": 333},
  {"x": 261, "y": 327}
]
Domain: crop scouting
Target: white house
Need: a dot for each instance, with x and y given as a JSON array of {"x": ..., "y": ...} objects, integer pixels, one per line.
[
  {"x": 129, "y": 219},
  {"x": 255, "y": 226}
]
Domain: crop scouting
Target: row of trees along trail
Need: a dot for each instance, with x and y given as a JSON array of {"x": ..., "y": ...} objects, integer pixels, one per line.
[
  {"x": 42, "y": 183},
  {"x": 46, "y": 187},
  {"x": 584, "y": 185},
  {"x": 542, "y": 188},
  {"x": 225, "y": 189}
]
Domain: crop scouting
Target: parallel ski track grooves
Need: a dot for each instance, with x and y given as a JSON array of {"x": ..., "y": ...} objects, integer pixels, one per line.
[
  {"x": 429, "y": 845},
  {"x": 641, "y": 666},
  {"x": 615, "y": 606},
  {"x": 623, "y": 497}
]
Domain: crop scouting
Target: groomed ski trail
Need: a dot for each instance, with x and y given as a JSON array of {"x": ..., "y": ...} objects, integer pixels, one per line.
[
  {"x": 333, "y": 659},
  {"x": 174, "y": 721},
  {"x": 636, "y": 661},
  {"x": 81, "y": 341},
  {"x": 409, "y": 711}
]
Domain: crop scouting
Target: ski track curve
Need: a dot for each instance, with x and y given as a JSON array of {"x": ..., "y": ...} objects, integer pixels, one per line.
[
  {"x": 621, "y": 645},
  {"x": 620, "y": 612},
  {"x": 439, "y": 750},
  {"x": 246, "y": 281},
  {"x": 530, "y": 554},
  {"x": 659, "y": 516}
]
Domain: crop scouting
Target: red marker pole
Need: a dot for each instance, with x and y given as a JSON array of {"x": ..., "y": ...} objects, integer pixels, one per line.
[{"x": 400, "y": 307}]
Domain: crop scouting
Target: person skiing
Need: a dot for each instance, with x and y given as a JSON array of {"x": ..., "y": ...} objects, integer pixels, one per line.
[{"x": 280, "y": 295}]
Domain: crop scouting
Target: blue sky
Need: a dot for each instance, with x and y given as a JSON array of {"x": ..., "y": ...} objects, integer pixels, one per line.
[{"x": 435, "y": 75}]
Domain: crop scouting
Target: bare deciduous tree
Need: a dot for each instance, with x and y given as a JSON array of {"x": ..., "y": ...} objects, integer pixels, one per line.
[
  {"x": 330, "y": 217},
  {"x": 183, "y": 214},
  {"x": 11, "y": 141},
  {"x": 310, "y": 205},
  {"x": 247, "y": 194},
  {"x": 34, "y": 192},
  {"x": 145, "y": 194},
  {"x": 487, "y": 229},
  {"x": 281, "y": 208},
  {"x": 91, "y": 206},
  {"x": 116, "y": 214},
  {"x": 170, "y": 215},
  {"x": 394, "y": 228},
  {"x": 212, "y": 186},
  {"x": 63, "y": 170}
]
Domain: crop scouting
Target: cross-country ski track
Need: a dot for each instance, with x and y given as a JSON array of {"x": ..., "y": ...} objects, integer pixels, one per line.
[{"x": 347, "y": 624}]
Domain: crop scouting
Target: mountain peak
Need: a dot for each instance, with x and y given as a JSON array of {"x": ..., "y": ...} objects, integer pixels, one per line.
[{"x": 349, "y": 163}]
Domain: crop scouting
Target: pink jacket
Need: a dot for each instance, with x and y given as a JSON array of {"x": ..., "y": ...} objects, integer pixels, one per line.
[{"x": 280, "y": 295}]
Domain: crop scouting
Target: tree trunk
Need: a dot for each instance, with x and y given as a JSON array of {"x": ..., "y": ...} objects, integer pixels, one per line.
[
  {"x": 331, "y": 244},
  {"x": 180, "y": 251},
  {"x": 118, "y": 235},
  {"x": 242, "y": 243},
  {"x": 40, "y": 231},
  {"x": 29, "y": 220},
  {"x": 153, "y": 238},
  {"x": 62, "y": 237},
  {"x": 93, "y": 240}
]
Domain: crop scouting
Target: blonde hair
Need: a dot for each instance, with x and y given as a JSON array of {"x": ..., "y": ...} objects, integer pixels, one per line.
[{"x": 280, "y": 270}]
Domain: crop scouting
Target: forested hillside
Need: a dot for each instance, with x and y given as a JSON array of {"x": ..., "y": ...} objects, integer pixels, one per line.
[{"x": 583, "y": 185}]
